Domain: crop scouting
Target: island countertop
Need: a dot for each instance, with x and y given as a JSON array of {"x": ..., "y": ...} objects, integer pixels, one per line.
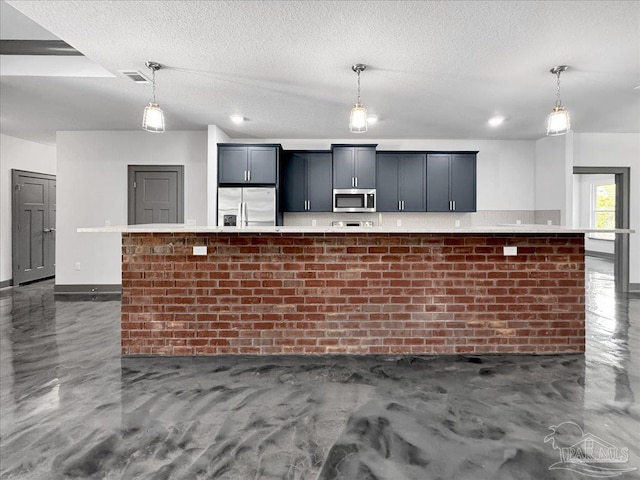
[{"x": 495, "y": 229}]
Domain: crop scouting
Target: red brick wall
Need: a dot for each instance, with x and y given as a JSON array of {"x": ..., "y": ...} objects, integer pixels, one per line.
[{"x": 370, "y": 293}]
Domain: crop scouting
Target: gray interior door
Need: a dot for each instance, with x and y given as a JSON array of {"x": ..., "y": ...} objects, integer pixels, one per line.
[
  {"x": 33, "y": 225},
  {"x": 155, "y": 194}
]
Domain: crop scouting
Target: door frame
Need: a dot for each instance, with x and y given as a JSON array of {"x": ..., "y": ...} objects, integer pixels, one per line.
[
  {"x": 15, "y": 218},
  {"x": 131, "y": 173},
  {"x": 621, "y": 243}
]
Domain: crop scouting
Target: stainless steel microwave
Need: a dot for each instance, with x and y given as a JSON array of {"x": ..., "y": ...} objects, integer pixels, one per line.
[{"x": 354, "y": 200}]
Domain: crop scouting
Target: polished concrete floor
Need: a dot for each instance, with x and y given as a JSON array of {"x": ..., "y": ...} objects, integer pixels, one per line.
[{"x": 72, "y": 408}]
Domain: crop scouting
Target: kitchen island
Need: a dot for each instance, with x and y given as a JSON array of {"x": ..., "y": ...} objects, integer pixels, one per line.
[{"x": 370, "y": 290}]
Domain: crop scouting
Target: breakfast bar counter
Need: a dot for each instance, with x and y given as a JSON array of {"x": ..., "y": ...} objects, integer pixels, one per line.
[{"x": 190, "y": 290}]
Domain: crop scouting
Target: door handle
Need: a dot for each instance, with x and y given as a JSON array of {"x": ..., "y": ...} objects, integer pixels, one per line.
[{"x": 47, "y": 230}]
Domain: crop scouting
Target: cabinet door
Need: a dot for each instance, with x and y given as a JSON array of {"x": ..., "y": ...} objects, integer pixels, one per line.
[
  {"x": 318, "y": 180},
  {"x": 438, "y": 182},
  {"x": 387, "y": 191},
  {"x": 343, "y": 167},
  {"x": 413, "y": 179},
  {"x": 262, "y": 164},
  {"x": 293, "y": 183},
  {"x": 463, "y": 182},
  {"x": 232, "y": 164},
  {"x": 365, "y": 167}
]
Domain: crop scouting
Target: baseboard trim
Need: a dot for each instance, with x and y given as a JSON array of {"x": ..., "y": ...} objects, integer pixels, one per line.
[
  {"x": 108, "y": 289},
  {"x": 606, "y": 256},
  {"x": 6, "y": 283}
]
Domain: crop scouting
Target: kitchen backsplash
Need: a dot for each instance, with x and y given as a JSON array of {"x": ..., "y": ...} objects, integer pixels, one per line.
[{"x": 419, "y": 219}]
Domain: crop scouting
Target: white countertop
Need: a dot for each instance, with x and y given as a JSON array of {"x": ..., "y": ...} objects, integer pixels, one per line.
[{"x": 183, "y": 228}]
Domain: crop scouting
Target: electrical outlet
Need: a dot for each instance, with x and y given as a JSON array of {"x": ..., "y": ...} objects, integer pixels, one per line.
[
  {"x": 510, "y": 251},
  {"x": 398, "y": 223},
  {"x": 200, "y": 250},
  {"x": 77, "y": 266},
  {"x": 518, "y": 222},
  {"x": 314, "y": 222},
  {"x": 457, "y": 223}
]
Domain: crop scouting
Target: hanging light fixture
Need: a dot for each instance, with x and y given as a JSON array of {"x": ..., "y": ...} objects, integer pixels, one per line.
[
  {"x": 153, "y": 118},
  {"x": 558, "y": 122},
  {"x": 358, "y": 118}
]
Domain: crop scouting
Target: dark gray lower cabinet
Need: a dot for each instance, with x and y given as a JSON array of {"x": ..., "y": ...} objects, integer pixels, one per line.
[
  {"x": 451, "y": 182},
  {"x": 306, "y": 182},
  {"x": 401, "y": 182}
]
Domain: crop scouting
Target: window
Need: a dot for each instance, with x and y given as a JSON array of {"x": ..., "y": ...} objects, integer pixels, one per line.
[{"x": 603, "y": 210}]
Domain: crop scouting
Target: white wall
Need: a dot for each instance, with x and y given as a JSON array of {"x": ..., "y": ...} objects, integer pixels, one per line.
[
  {"x": 616, "y": 150},
  {"x": 505, "y": 168},
  {"x": 92, "y": 189},
  {"x": 551, "y": 167},
  {"x": 18, "y": 154},
  {"x": 215, "y": 136}
]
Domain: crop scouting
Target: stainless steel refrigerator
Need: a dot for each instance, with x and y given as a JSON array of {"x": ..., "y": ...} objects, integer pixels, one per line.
[{"x": 246, "y": 206}]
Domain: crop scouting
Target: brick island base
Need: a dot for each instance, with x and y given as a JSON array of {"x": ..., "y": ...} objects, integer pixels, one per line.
[{"x": 360, "y": 293}]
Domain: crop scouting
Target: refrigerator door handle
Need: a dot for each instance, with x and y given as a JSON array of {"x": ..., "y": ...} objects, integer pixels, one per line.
[{"x": 245, "y": 220}]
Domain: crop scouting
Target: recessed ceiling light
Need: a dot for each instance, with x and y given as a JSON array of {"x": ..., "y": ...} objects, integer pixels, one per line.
[
  {"x": 371, "y": 119},
  {"x": 237, "y": 119},
  {"x": 495, "y": 121}
]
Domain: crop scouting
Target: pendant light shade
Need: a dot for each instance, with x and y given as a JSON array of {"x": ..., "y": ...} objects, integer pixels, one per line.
[
  {"x": 358, "y": 117},
  {"x": 153, "y": 118},
  {"x": 558, "y": 121}
]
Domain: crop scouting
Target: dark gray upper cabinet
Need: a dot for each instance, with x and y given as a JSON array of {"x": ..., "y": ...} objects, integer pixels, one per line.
[
  {"x": 247, "y": 164},
  {"x": 451, "y": 182},
  {"x": 306, "y": 182},
  {"x": 354, "y": 166},
  {"x": 401, "y": 182}
]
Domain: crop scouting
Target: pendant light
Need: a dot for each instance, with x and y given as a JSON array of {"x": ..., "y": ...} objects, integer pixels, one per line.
[
  {"x": 153, "y": 118},
  {"x": 558, "y": 122},
  {"x": 358, "y": 117}
]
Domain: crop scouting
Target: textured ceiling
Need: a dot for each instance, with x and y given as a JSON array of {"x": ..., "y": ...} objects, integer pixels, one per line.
[{"x": 436, "y": 69}]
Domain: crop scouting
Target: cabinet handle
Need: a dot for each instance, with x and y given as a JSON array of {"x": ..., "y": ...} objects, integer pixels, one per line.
[
  {"x": 356, "y": 181},
  {"x": 308, "y": 204},
  {"x": 454, "y": 205},
  {"x": 248, "y": 175},
  {"x": 399, "y": 205},
  {"x": 402, "y": 205},
  {"x": 244, "y": 177}
]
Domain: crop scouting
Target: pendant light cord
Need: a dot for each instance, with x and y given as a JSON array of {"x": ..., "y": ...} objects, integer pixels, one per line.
[
  {"x": 358, "y": 87},
  {"x": 558, "y": 101},
  {"x": 153, "y": 84}
]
